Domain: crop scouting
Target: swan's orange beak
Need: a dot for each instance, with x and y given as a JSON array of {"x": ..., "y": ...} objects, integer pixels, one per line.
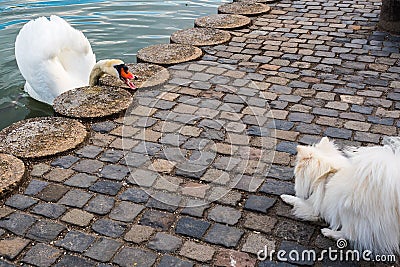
[{"x": 126, "y": 76}]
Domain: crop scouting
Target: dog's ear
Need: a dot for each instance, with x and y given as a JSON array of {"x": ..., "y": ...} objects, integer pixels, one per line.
[
  {"x": 326, "y": 145},
  {"x": 304, "y": 152}
]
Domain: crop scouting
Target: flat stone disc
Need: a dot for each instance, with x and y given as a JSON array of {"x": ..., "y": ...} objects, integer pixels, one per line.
[
  {"x": 40, "y": 137},
  {"x": 244, "y": 8},
  {"x": 200, "y": 36},
  {"x": 149, "y": 75},
  {"x": 168, "y": 54},
  {"x": 222, "y": 21},
  {"x": 12, "y": 171},
  {"x": 92, "y": 102}
]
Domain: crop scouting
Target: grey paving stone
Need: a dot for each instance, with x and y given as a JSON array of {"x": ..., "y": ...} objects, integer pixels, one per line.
[
  {"x": 147, "y": 148},
  {"x": 45, "y": 231},
  {"x": 164, "y": 201},
  {"x": 169, "y": 261},
  {"x": 70, "y": 260},
  {"x": 128, "y": 257},
  {"x": 338, "y": 133},
  {"x": 65, "y": 161},
  {"x": 103, "y": 250},
  {"x": 104, "y": 126},
  {"x": 49, "y": 210},
  {"x": 109, "y": 228},
  {"x": 34, "y": 187},
  {"x": 195, "y": 207},
  {"x": 281, "y": 172},
  {"x": 135, "y": 195},
  {"x": 106, "y": 187},
  {"x": 276, "y": 187},
  {"x": 190, "y": 170},
  {"x": 100, "y": 204},
  {"x": 17, "y": 223},
  {"x": 226, "y": 215},
  {"x": 20, "y": 202},
  {"x": 81, "y": 180},
  {"x": 41, "y": 255},
  {"x": 114, "y": 172},
  {"x": 134, "y": 159},
  {"x": 259, "y": 203},
  {"x": 165, "y": 243},
  {"x": 76, "y": 241},
  {"x": 75, "y": 198},
  {"x": 157, "y": 219},
  {"x": 52, "y": 192},
  {"x": 288, "y": 147},
  {"x": 89, "y": 151},
  {"x": 112, "y": 155},
  {"x": 89, "y": 166},
  {"x": 191, "y": 227},
  {"x": 143, "y": 177},
  {"x": 126, "y": 211},
  {"x": 294, "y": 231},
  {"x": 224, "y": 235}
]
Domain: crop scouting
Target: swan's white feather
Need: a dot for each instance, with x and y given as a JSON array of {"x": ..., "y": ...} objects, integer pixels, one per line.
[{"x": 53, "y": 58}]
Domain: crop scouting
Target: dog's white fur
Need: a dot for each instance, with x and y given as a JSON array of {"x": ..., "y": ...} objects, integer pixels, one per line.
[{"x": 358, "y": 196}]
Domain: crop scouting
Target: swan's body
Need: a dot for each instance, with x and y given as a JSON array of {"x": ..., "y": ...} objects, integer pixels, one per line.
[{"x": 53, "y": 58}]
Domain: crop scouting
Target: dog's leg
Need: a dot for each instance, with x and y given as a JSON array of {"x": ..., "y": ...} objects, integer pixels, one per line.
[
  {"x": 301, "y": 208},
  {"x": 332, "y": 233}
]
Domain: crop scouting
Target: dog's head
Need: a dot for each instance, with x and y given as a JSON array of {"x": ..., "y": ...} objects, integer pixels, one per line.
[{"x": 313, "y": 166}]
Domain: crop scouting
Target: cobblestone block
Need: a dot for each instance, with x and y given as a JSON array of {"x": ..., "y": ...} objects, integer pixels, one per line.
[
  {"x": 49, "y": 210},
  {"x": 69, "y": 260},
  {"x": 34, "y": 187},
  {"x": 256, "y": 242},
  {"x": 167, "y": 261},
  {"x": 277, "y": 187},
  {"x": 103, "y": 250},
  {"x": 157, "y": 219},
  {"x": 109, "y": 228},
  {"x": 64, "y": 162},
  {"x": 12, "y": 247},
  {"x": 128, "y": 257},
  {"x": 126, "y": 211},
  {"x": 41, "y": 255},
  {"x": 81, "y": 180},
  {"x": 17, "y": 223},
  {"x": 191, "y": 227},
  {"x": 100, "y": 205},
  {"x": 106, "y": 187},
  {"x": 89, "y": 166},
  {"x": 224, "y": 235},
  {"x": 259, "y": 203},
  {"x": 45, "y": 231},
  {"x": 165, "y": 243},
  {"x": 139, "y": 233},
  {"x": 135, "y": 195},
  {"x": 197, "y": 252},
  {"x": 75, "y": 198},
  {"x": 76, "y": 241},
  {"x": 226, "y": 215},
  {"x": 114, "y": 172},
  {"x": 20, "y": 202},
  {"x": 77, "y": 217}
]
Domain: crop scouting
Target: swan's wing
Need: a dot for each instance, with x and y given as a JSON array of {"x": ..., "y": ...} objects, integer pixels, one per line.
[{"x": 53, "y": 57}]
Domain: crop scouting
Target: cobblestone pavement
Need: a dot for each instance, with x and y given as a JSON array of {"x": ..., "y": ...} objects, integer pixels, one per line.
[{"x": 191, "y": 174}]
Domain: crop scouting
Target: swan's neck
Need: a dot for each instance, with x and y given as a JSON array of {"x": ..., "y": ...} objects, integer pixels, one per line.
[{"x": 96, "y": 74}]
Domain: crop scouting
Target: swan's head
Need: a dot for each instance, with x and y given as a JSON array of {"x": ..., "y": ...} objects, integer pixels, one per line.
[{"x": 118, "y": 69}]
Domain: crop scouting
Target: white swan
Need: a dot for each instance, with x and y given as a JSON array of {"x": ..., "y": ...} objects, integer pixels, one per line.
[{"x": 53, "y": 58}]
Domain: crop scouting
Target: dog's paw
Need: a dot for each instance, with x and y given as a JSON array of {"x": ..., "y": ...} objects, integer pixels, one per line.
[
  {"x": 331, "y": 233},
  {"x": 289, "y": 199}
]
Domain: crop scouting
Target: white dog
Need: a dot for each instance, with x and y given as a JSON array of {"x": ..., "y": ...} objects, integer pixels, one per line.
[{"x": 358, "y": 196}]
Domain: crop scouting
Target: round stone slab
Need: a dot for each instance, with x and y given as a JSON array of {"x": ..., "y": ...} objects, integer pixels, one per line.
[
  {"x": 223, "y": 21},
  {"x": 12, "y": 171},
  {"x": 200, "y": 36},
  {"x": 40, "y": 137},
  {"x": 149, "y": 75},
  {"x": 92, "y": 102},
  {"x": 244, "y": 8},
  {"x": 168, "y": 54}
]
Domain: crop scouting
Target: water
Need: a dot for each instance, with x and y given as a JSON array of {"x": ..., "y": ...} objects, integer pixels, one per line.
[{"x": 115, "y": 29}]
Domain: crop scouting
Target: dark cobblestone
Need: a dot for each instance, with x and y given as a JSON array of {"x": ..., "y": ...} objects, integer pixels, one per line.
[
  {"x": 20, "y": 202},
  {"x": 224, "y": 235},
  {"x": 17, "y": 223},
  {"x": 114, "y": 172},
  {"x": 106, "y": 187},
  {"x": 277, "y": 187},
  {"x": 191, "y": 227},
  {"x": 128, "y": 257},
  {"x": 126, "y": 211},
  {"x": 157, "y": 219},
  {"x": 100, "y": 205},
  {"x": 135, "y": 195},
  {"x": 76, "y": 241},
  {"x": 109, "y": 228},
  {"x": 49, "y": 210},
  {"x": 41, "y": 255},
  {"x": 45, "y": 231},
  {"x": 259, "y": 203},
  {"x": 103, "y": 250},
  {"x": 34, "y": 187},
  {"x": 75, "y": 198},
  {"x": 65, "y": 161},
  {"x": 69, "y": 260},
  {"x": 167, "y": 261},
  {"x": 165, "y": 243},
  {"x": 52, "y": 192},
  {"x": 81, "y": 180}
]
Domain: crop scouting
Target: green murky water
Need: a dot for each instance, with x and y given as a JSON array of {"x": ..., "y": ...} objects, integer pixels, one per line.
[{"x": 115, "y": 29}]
